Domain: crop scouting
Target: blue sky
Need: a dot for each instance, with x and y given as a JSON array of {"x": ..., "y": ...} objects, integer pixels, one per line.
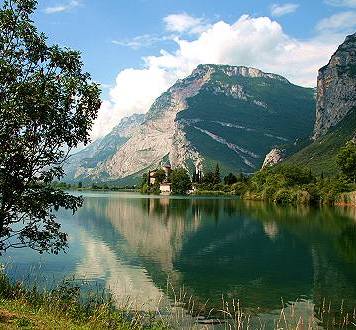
[{"x": 138, "y": 48}]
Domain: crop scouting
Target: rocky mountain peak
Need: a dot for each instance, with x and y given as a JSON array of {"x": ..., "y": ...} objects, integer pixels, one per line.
[
  {"x": 336, "y": 89},
  {"x": 235, "y": 71}
]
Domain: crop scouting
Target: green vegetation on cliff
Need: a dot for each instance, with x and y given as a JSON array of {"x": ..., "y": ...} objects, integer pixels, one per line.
[
  {"x": 290, "y": 184},
  {"x": 321, "y": 155}
]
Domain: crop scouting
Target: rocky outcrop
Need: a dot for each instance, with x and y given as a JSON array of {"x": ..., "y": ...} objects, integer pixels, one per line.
[
  {"x": 354, "y": 138},
  {"x": 274, "y": 157},
  {"x": 336, "y": 90}
]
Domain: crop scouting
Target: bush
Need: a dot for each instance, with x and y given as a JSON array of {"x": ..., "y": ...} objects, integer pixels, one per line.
[
  {"x": 180, "y": 181},
  {"x": 303, "y": 197},
  {"x": 284, "y": 196}
]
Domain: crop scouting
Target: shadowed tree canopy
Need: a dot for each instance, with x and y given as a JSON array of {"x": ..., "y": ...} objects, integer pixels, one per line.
[
  {"x": 230, "y": 179},
  {"x": 47, "y": 107}
]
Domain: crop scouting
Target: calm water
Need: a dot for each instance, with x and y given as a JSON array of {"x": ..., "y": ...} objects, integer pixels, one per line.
[{"x": 255, "y": 252}]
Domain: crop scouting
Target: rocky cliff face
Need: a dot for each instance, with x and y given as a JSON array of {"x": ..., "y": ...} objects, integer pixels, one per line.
[
  {"x": 226, "y": 114},
  {"x": 84, "y": 162},
  {"x": 275, "y": 156},
  {"x": 336, "y": 91}
]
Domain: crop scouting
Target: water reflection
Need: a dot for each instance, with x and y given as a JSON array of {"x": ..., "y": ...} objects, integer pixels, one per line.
[{"x": 255, "y": 252}]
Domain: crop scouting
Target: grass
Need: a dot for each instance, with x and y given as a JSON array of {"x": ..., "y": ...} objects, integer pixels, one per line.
[{"x": 64, "y": 308}]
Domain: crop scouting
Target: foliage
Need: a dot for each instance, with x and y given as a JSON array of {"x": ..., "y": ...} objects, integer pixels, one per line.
[
  {"x": 230, "y": 179},
  {"x": 47, "y": 107},
  {"x": 287, "y": 184},
  {"x": 197, "y": 177},
  {"x": 211, "y": 178},
  {"x": 67, "y": 306},
  {"x": 321, "y": 155},
  {"x": 180, "y": 181},
  {"x": 217, "y": 177},
  {"x": 160, "y": 175},
  {"x": 281, "y": 184},
  {"x": 144, "y": 184},
  {"x": 208, "y": 178},
  {"x": 346, "y": 159}
]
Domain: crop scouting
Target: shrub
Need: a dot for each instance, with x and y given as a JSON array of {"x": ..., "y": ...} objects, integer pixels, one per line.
[
  {"x": 284, "y": 196},
  {"x": 180, "y": 181}
]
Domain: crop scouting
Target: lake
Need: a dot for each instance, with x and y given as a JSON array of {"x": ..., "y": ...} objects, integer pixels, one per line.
[{"x": 145, "y": 248}]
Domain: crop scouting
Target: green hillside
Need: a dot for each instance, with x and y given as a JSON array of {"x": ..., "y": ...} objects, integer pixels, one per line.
[
  {"x": 320, "y": 155},
  {"x": 239, "y": 132}
]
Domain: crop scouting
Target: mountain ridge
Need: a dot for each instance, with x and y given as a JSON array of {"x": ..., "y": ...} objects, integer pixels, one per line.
[{"x": 220, "y": 113}]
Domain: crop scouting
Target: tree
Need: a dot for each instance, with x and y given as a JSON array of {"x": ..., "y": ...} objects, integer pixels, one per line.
[
  {"x": 346, "y": 159},
  {"x": 180, "y": 181},
  {"x": 195, "y": 177},
  {"x": 160, "y": 176},
  {"x": 230, "y": 179},
  {"x": 208, "y": 178},
  {"x": 217, "y": 178},
  {"x": 47, "y": 107}
]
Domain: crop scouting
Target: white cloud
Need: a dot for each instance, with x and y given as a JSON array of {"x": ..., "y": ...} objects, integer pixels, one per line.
[
  {"x": 63, "y": 7},
  {"x": 134, "y": 92},
  {"x": 281, "y": 10},
  {"x": 341, "y": 22},
  {"x": 342, "y": 3},
  {"x": 257, "y": 42},
  {"x": 181, "y": 23},
  {"x": 138, "y": 42}
]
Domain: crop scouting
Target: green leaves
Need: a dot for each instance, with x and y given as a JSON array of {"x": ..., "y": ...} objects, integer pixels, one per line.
[
  {"x": 180, "y": 181},
  {"x": 346, "y": 160},
  {"x": 47, "y": 107}
]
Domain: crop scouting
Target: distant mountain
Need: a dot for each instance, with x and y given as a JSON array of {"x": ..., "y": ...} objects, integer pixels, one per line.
[
  {"x": 335, "y": 111},
  {"x": 82, "y": 163},
  {"x": 226, "y": 114}
]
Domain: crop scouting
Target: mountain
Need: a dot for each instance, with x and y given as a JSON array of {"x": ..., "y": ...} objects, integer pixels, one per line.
[
  {"x": 82, "y": 163},
  {"x": 335, "y": 111},
  {"x": 220, "y": 113},
  {"x": 336, "y": 91}
]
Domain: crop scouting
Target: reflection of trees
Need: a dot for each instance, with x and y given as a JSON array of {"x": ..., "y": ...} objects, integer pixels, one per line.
[
  {"x": 346, "y": 244},
  {"x": 331, "y": 236},
  {"x": 252, "y": 251},
  {"x": 237, "y": 259}
]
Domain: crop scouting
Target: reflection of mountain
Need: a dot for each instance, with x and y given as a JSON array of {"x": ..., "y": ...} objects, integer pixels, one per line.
[
  {"x": 254, "y": 252},
  {"x": 128, "y": 285},
  {"x": 147, "y": 226}
]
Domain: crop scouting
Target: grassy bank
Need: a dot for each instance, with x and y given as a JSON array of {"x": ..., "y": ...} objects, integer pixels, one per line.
[
  {"x": 65, "y": 308},
  {"x": 346, "y": 199}
]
